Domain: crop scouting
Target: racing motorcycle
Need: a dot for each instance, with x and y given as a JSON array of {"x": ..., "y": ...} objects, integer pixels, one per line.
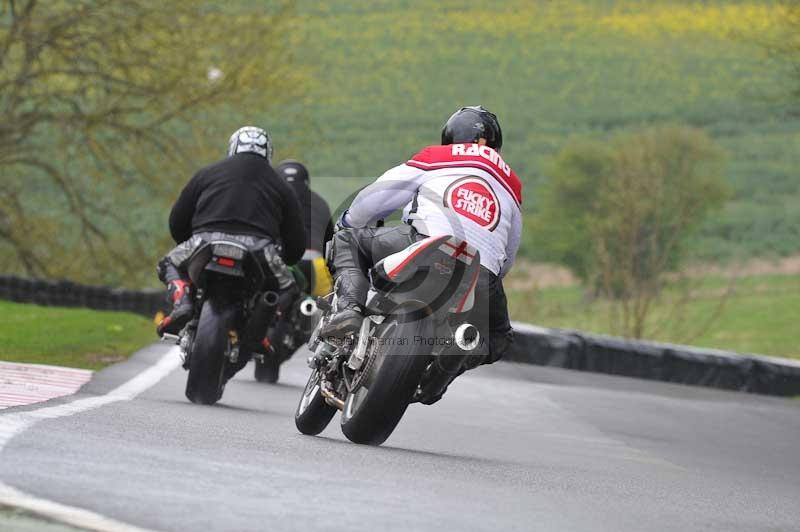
[
  {"x": 231, "y": 314},
  {"x": 290, "y": 331},
  {"x": 414, "y": 337}
]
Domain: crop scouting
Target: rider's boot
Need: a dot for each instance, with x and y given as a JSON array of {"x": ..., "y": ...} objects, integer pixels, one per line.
[
  {"x": 180, "y": 295},
  {"x": 351, "y": 294},
  {"x": 438, "y": 380}
]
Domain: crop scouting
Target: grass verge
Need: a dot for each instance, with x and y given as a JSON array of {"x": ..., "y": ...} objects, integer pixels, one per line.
[
  {"x": 79, "y": 338},
  {"x": 20, "y": 520},
  {"x": 759, "y": 314}
]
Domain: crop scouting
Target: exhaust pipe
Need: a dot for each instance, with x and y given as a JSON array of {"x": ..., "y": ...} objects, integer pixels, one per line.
[
  {"x": 263, "y": 313},
  {"x": 270, "y": 298},
  {"x": 308, "y": 307},
  {"x": 467, "y": 337},
  {"x": 308, "y": 314},
  {"x": 264, "y": 309},
  {"x": 451, "y": 361},
  {"x": 330, "y": 397}
]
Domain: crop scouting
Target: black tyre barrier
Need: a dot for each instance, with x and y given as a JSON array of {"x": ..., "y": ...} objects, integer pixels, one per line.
[
  {"x": 532, "y": 345},
  {"x": 40, "y": 293},
  {"x": 18, "y": 288},
  {"x": 655, "y": 361},
  {"x": 68, "y": 294}
]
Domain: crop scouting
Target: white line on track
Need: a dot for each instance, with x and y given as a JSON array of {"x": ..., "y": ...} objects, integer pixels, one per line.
[{"x": 14, "y": 423}]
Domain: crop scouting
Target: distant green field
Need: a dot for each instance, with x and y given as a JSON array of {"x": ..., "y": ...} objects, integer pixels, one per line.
[
  {"x": 382, "y": 76},
  {"x": 760, "y": 315},
  {"x": 385, "y": 75},
  {"x": 77, "y": 338}
]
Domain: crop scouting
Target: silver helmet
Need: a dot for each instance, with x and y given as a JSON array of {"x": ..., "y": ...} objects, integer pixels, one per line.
[{"x": 251, "y": 139}]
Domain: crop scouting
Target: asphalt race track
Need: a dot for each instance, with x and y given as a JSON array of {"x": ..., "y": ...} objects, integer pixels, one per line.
[{"x": 511, "y": 447}]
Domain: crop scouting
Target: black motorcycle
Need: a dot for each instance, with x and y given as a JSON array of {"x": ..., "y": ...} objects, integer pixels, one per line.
[
  {"x": 231, "y": 314},
  {"x": 290, "y": 331},
  {"x": 414, "y": 338}
]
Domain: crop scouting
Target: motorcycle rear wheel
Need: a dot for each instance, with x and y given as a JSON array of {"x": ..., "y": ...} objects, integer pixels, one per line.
[
  {"x": 373, "y": 410},
  {"x": 205, "y": 382},
  {"x": 268, "y": 371}
]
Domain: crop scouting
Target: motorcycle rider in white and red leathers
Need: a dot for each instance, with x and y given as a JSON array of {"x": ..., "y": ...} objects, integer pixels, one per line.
[{"x": 462, "y": 187}]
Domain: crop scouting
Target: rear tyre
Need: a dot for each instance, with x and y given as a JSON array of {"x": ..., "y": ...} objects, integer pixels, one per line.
[
  {"x": 373, "y": 410},
  {"x": 205, "y": 381},
  {"x": 269, "y": 370},
  {"x": 313, "y": 413}
]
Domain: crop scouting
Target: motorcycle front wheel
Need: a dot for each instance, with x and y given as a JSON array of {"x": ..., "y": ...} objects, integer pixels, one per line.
[{"x": 313, "y": 414}]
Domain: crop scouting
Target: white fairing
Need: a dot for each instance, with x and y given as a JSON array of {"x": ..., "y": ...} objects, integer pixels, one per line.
[{"x": 393, "y": 262}]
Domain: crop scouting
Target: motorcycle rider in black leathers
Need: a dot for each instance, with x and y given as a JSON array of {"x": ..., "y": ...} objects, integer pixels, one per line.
[
  {"x": 240, "y": 198},
  {"x": 316, "y": 218},
  {"x": 311, "y": 272},
  {"x": 461, "y": 187}
]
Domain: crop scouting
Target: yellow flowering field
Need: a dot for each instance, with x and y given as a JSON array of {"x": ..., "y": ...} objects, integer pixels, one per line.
[{"x": 383, "y": 76}]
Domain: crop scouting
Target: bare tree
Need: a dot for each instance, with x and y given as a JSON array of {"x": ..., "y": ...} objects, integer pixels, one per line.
[{"x": 102, "y": 101}]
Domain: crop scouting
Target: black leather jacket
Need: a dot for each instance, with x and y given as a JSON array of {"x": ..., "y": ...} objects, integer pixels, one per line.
[{"x": 241, "y": 195}]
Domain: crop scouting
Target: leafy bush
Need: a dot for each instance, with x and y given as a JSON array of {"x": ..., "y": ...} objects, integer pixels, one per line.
[{"x": 620, "y": 214}]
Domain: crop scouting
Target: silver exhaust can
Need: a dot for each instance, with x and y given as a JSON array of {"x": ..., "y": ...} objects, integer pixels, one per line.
[{"x": 467, "y": 337}]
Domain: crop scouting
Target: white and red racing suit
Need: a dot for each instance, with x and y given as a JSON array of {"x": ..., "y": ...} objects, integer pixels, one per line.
[{"x": 466, "y": 190}]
